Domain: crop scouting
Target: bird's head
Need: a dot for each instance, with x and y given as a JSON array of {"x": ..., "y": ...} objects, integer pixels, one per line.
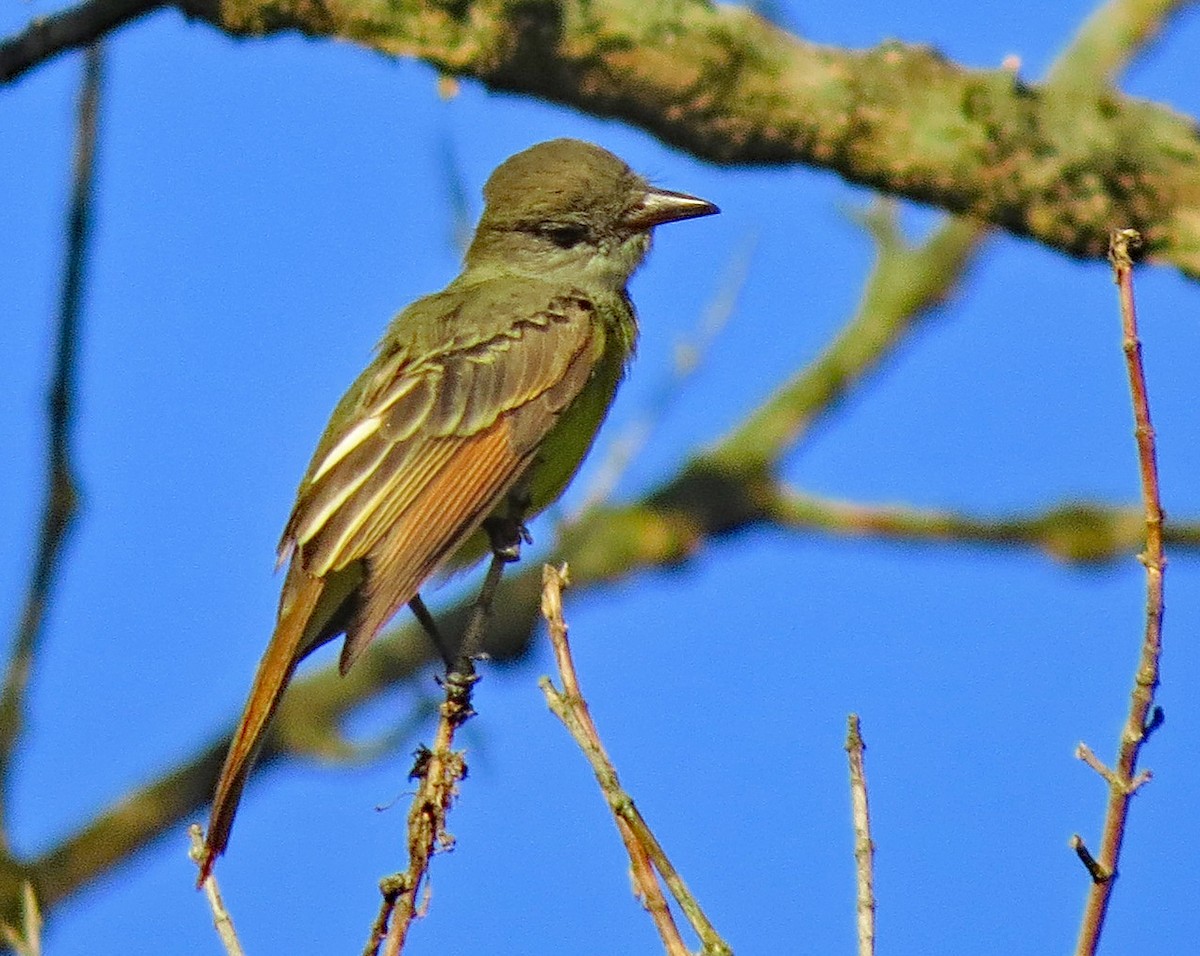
[{"x": 569, "y": 207}]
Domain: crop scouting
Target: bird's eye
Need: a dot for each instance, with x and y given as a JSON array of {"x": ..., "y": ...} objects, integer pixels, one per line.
[{"x": 565, "y": 234}]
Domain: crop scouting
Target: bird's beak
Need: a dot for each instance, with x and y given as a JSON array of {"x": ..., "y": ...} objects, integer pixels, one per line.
[{"x": 659, "y": 206}]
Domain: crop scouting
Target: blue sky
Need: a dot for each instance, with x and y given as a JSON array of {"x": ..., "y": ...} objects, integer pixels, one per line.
[{"x": 265, "y": 207}]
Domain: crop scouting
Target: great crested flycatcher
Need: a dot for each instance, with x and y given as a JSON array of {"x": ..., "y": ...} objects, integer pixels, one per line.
[{"x": 494, "y": 386}]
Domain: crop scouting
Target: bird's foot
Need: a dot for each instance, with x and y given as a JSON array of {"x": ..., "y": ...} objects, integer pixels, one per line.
[{"x": 506, "y": 534}]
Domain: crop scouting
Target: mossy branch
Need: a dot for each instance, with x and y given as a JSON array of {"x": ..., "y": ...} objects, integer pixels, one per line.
[{"x": 1060, "y": 163}]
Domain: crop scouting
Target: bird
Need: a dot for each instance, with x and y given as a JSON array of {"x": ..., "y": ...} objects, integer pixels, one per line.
[{"x": 487, "y": 393}]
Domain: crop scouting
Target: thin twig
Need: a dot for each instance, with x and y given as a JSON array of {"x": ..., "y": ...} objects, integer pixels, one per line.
[
  {"x": 864, "y": 847},
  {"x": 1088, "y": 756},
  {"x": 222, "y": 921},
  {"x": 1122, "y": 781},
  {"x": 62, "y": 499},
  {"x": 574, "y": 713},
  {"x": 441, "y": 768},
  {"x": 26, "y": 941},
  {"x": 390, "y": 888},
  {"x": 645, "y": 852}
]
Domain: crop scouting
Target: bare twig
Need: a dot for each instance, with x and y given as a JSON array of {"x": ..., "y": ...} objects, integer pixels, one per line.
[
  {"x": 439, "y": 771},
  {"x": 1122, "y": 782},
  {"x": 222, "y": 921},
  {"x": 577, "y": 718},
  {"x": 645, "y": 852},
  {"x": 864, "y": 848},
  {"x": 27, "y": 940},
  {"x": 1088, "y": 756},
  {"x": 62, "y": 499}
]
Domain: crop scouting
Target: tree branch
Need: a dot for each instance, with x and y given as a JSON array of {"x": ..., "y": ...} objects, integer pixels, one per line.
[
  {"x": 1113, "y": 33},
  {"x": 71, "y": 29},
  {"x": 1058, "y": 163},
  {"x": 61, "y": 500}
]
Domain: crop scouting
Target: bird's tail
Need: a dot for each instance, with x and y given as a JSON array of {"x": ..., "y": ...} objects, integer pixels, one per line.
[{"x": 293, "y": 638}]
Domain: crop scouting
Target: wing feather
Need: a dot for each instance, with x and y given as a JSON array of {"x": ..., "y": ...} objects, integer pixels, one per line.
[
  {"x": 398, "y": 493},
  {"x": 451, "y": 506},
  {"x": 456, "y": 429},
  {"x": 404, "y": 413},
  {"x": 353, "y": 439},
  {"x": 321, "y": 501}
]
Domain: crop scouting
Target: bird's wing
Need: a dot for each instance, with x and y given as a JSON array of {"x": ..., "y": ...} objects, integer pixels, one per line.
[
  {"x": 422, "y": 449},
  {"x": 436, "y": 442}
]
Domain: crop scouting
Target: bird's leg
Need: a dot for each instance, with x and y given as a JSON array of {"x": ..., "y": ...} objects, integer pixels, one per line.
[
  {"x": 506, "y": 533},
  {"x": 506, "y": 530},
  {"x": 429, "y": 626}
]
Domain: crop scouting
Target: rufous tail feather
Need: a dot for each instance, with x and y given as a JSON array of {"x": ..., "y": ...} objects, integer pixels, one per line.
[{"x": 293, "y": 638}]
